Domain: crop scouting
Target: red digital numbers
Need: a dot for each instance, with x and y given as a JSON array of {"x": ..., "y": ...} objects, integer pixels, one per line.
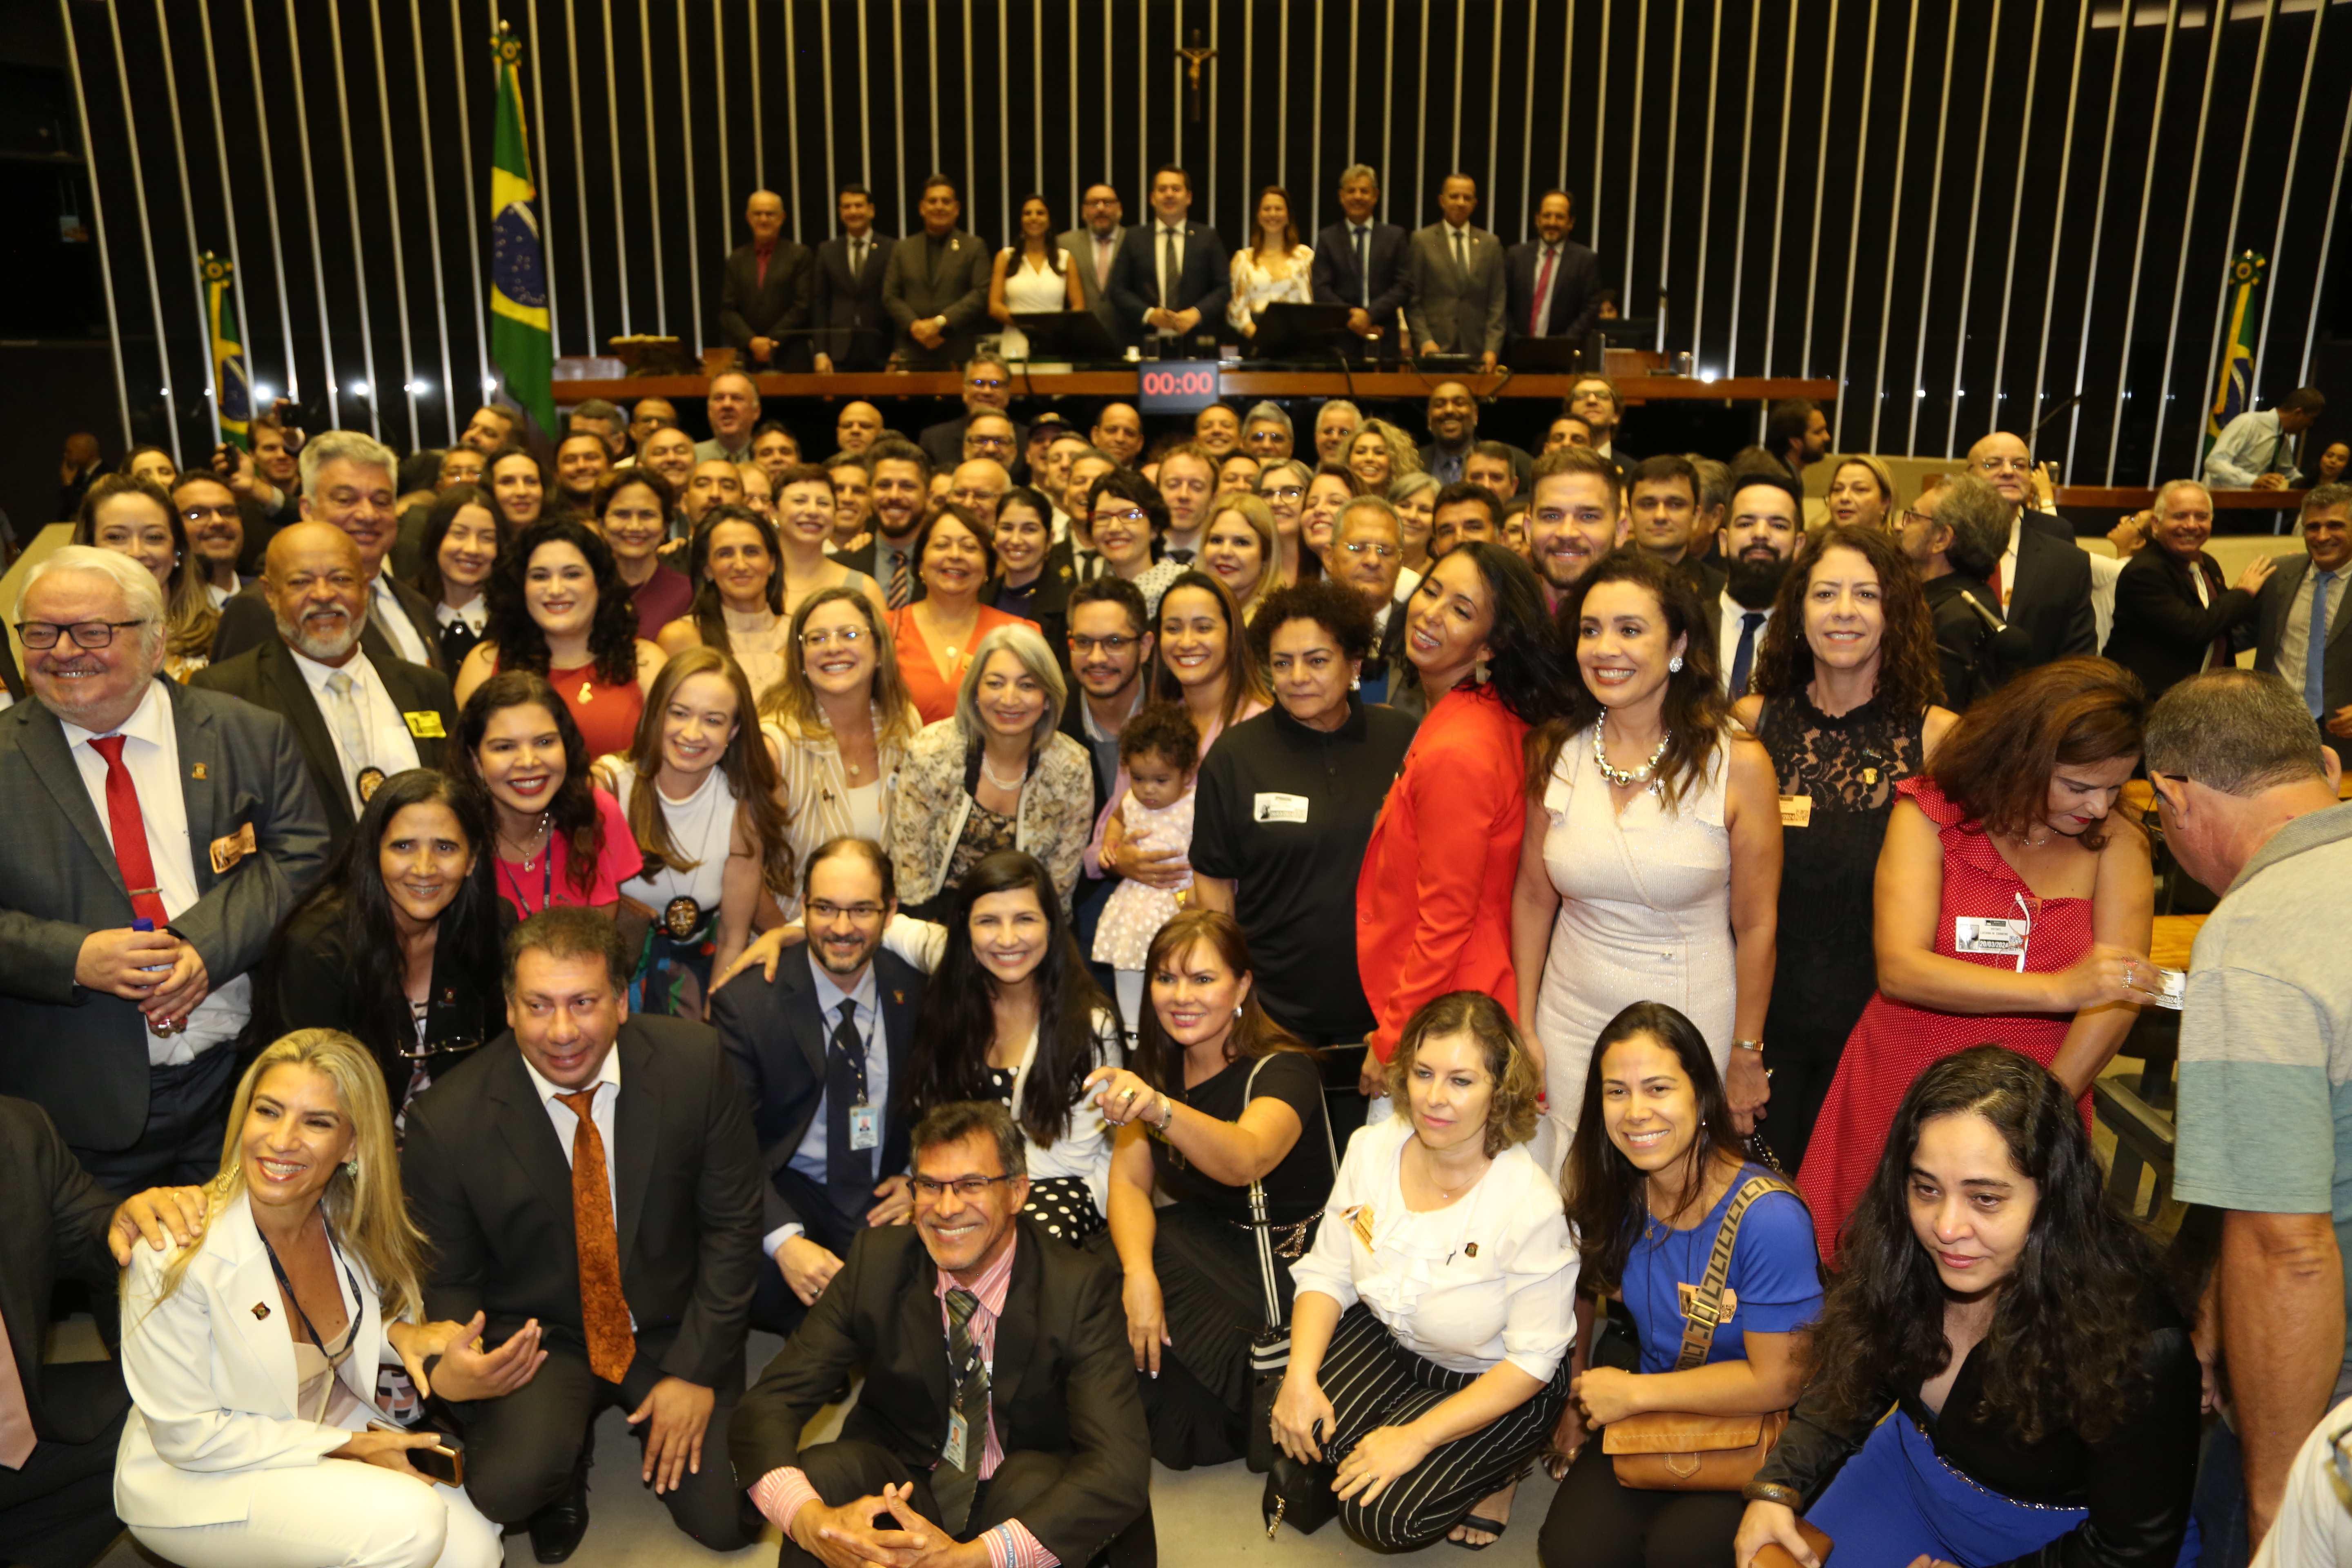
[{"x": 1179, "y": 383}]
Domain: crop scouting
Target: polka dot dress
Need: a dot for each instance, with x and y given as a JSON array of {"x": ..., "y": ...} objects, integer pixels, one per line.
[{"x": 1065, "y": 1205}]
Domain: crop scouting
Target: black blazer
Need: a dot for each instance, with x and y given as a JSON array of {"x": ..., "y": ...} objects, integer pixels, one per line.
[
  {"x": 1204, "y": 285},
  {"x": 776, "y": 1039},
  {"x": 2161, "y": 632},
  {"x": 2271, "y": 605},
  {"x": 2051, "y": 600},
  {"x": 943, "y": 444},
  {"x": 778, "y": 309},
  {"x": 1063, "y": 1379},
  {"x": 10, "y": 676},
  {"x": 1333, "y": 273},
  {"x": 266, "y": 677},
  {"x": 53, "y": 1222},
  {"x": 852, "y": 327},
  {"x": 246, "y": 621},
  {"x": 490, "y": 1182},
  {"x": 1575, "y": 289},
  {"x": 918, "y": 285}
]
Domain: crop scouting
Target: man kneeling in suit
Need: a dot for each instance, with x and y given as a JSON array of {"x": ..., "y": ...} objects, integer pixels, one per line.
[{"x": 998, "y": 1407}]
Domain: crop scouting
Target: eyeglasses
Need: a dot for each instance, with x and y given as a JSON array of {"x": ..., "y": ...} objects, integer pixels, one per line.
[
  {"x": 1132, "y": 514},
  {"x": 1284, "y": 492},
  {"x": 1114, "y": 646},
  {"x": 1358, "y": 546},
  {"x": 849, "y": 637},
  {"x": 2006, "y": 465},
  {"x": 993, "y": 443},
  {"x": 824, "y": 909},
  {"x": 197, "y": 514},
  {"x": 985, "y": 383},
  {"x": 968, "y": 1188},
  {"x": 2150, "y": 823},
  {"x": 42, "y": 635}
]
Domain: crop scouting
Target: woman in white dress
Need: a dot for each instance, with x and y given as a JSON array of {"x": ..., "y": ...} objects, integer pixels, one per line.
[
  {"x": 1272, "y": 267},
  {"x": 738, "y": 569},
  {"x": 1650, "y": 868},
  {"x": 1034, "y": 274}
]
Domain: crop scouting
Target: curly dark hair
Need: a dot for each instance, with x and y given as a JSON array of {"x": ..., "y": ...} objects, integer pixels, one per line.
[
  {"x": 2061, "y": 1354},
  {"x": 1164, "y": 729},
  {"x": 1528, "y": 670},
  {"x": 1337, "y": 609},
  {"x": 1694, "y": 711},
  {"x": 1909, "y": 678},
  {"x": 710, "y": 615},
  {"x": 1996, "y": 763},
  {"x": 571, "y": 810},
  {"x": 612, "y": 636}
]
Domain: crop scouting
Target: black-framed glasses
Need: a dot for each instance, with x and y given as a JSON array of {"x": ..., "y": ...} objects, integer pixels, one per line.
[
  {"x": 968, "y": 1188},
  {"x": 43, "y": 635},
  {"x": 2150, "y": 823},
  {"x": 824, "y": 909},
  {"x": 1114, "y": 646}
]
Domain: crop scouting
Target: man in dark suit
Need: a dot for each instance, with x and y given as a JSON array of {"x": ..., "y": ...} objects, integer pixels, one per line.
[
  {"x": 1456, "y": 298},
  {"x": 2173, "y": 615},
  {"x": 846, "y": 295},
  {"x": 1664, "y": 494},
  {"x": 827, "y": 1092},
  {"x": 347, "y": 481},
  {"x": 1000, "y": 1397},
  {"x": 935, "y": 290},
  {"x": 1094, "y": 246},
  {"x": 2299, "y": 620},
  {"x": 987, "y": 389},
  {"x": 900, "y": 485},
  {"x": 1172, "y": 277},
  {"x": 1359, "y": 263},
  {"x": 764, "y": 296},
  {"x": 596, "y": 1173},
  {"x": 132, "y": 798},
  {"x": 358, "y": 720},
  {"x": 1555, "y": 283},
  {"x": 1452, "y": 419}
]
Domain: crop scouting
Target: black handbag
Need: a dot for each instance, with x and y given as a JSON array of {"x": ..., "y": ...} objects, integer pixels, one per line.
[
  {"x": 1299, "y": 1495},
  {"x": 1270, "y": 1346}
]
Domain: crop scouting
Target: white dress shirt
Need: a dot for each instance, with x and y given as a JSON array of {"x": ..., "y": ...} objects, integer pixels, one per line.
[
  {"x": 866, "y": 1015},
  {"x": 2008, "y": 562},
  {"x": 1728, "y": 628},
  {"x": 152, "y": 757},
  {"x": 600, "y": 1111},
  {"x": 476, "y": 611},
  {"x": 383, "y": 604},
  {"x": 390, "y": 747}
]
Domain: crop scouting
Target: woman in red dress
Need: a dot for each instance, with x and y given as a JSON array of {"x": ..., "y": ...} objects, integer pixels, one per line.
[{"x": 2012, "y": 907}]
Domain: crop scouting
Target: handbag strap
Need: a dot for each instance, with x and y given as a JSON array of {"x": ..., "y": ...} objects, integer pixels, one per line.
[
  {"x": 1706, "y": 1306},
  {"x": 1260, "y": 1231}
]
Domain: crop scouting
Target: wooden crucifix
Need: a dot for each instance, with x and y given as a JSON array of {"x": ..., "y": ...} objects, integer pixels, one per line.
[{"x": 1194, "y": 57}]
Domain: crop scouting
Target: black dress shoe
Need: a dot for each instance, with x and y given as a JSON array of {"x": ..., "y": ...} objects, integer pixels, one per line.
[{"x": 556, "y": 1530}]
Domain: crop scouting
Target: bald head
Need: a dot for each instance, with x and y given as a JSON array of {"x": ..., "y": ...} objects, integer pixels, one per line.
[
  {"x": 859, "y": 424},
  {"x": 2002, "y": 460},
  {"x": 979, "y": 483},
  {"x": 317, "y": 584},
  {"x": 765, "y": 215}
]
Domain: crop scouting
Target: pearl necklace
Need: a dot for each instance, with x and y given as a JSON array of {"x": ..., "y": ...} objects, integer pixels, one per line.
[
  {"x": 1619, "y": 776},
  {"x": 989, "y": 774}
]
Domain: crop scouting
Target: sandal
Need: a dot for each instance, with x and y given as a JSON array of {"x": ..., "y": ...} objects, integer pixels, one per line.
[{"x": 1478, "y": 1521}]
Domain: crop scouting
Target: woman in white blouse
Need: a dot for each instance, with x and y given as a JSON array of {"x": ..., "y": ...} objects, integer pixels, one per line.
[
  {"x": 1430, "y": 1333},
  {"x": 1272, "y": 267}
]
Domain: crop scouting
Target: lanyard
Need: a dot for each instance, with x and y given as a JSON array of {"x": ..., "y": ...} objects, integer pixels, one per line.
[
  {"x": 334, "y": 1357},
  {"x": 546, "y": 879}
]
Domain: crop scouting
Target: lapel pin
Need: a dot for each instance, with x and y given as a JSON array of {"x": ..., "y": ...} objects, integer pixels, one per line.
[
  {"x": 197, "y": 772},
  {"x": 898, "y": 996},
  {"x": 1471, "y": 1251},
  {"x": 260, "y": 1311}
]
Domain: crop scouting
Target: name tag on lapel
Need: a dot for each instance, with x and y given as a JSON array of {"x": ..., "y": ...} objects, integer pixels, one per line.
[
  {"x": 228, "y": 851},
  {"x": 425, "y": 726}
]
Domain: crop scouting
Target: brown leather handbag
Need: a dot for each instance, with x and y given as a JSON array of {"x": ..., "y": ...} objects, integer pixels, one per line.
[{"x": 1677, "y": 1451}]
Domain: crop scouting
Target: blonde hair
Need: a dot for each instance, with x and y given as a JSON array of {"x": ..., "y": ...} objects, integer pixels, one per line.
[
  {"x": 791, "y": 702},
  {"x": 1404, "y": 458},
  {"x": 362, "y": 1203},
  {"x": 1253, "y": 512}
]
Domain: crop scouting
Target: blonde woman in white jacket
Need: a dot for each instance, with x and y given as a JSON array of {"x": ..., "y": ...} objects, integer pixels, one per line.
[{"x": 252, "y": 1352}]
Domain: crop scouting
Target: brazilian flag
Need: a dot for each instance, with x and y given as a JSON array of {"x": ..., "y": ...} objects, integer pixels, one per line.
[
  {"x": 522, "y": 345},
  {"x": 232, "y": 388},
  {"x": 2236, "y": 393}
]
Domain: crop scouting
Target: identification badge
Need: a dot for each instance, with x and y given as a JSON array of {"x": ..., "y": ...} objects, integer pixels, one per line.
[
  {"x": 226, "y": 852},
  {"x": 2169, "y": 987},
  {"x": 959, "y": 1437},
  {"x": 865, "y": 1127},
  {"x": 1993, "y": 934},
  {"x": 1360, "y": 1220},
  {"x": 1796, "y": 811},
  {"x": 425, "y": 726},
  {"x": 1279, "y": 808}
]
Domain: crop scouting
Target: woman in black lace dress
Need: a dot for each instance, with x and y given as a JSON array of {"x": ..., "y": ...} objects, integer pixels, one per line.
[{"x": 1844, "y": 698}]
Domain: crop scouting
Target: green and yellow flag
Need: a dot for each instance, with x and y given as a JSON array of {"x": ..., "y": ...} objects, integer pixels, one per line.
[
  {"x": 522, "y": 345},
  {"x": 2236, "y": 394},
  {"x": 232, "y": 388}
]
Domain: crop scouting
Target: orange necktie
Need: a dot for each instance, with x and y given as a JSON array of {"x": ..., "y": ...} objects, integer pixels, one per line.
[{"x": 603, "y": 1311}]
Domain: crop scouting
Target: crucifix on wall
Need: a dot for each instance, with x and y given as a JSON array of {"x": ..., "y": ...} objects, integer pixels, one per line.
[{"x": 1195, "y": 56}]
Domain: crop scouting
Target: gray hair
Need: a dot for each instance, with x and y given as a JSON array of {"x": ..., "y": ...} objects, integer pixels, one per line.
[
  {"x": 1329, "y": 404},
  {"x": 1407, "y": 486},
  {"x": 1360, "y": 171},
  {"x": 1979, "y": 519},
  {"x": 1267, "y": 475},
  {"x": 2171, "y": 485},
  {"x": 959, "y": 1119},
  {"x": 2322, "y": 498},
  {"x": 1027, "y": 644},
  {"x": 597, "y": 408},
  {"x": 2237, "y": 730},
  {"x": 343, "y": 447},
  {"x": 141, "y": 595},
  {"x": 1373, "y": 504},
  {"x": 1269, "y": 412}
]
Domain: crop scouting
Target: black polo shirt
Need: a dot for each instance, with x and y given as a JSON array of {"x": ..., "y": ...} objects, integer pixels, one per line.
[{"x": 1285, "y": 812}]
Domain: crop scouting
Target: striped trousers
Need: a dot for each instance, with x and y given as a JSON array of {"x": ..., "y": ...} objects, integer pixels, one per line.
[{"x": 1372, "y": 1382}]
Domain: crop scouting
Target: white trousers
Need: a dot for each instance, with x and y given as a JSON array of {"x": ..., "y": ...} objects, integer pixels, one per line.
[{"x": 339, "y": 1513}]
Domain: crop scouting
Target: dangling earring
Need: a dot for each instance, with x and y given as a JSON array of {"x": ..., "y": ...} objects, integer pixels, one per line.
[
  {"x": 1237, "y": 1009},
  {"x": 1478, "y": 671},
  {"x": 1675, "y": 665},
  {"x": 1355, "y": 683}
]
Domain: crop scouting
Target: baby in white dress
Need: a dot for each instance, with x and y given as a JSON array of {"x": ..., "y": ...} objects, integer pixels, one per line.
[{"x": 1159, "y": 751}]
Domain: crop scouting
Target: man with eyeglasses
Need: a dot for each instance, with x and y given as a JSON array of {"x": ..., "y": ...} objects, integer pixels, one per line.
[
  {"x": 2045, "y": 581},
  {"x": 1094, "y": 246},
  {"x": 990, "y": 436},
  {"x": 134, "y": 802},
  {"x": 987, "y": 389},
  {"x": 1267, "y": 432},
  {"x": 824, "y": 1051},
  {"x": 1367, "y": 555},
  {"x": 2247, "y": 802},
  {"x": 1030, "y": 1449},
  {"x": 1109, "y": 647},
  {"x": 978, "y": 484},
  {"x": 215, "y": 525}
]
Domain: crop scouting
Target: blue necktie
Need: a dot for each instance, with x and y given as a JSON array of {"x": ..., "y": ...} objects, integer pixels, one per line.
[
  {"x": 2314, "y": 649},
  {"x": 1743, "y": 657}
]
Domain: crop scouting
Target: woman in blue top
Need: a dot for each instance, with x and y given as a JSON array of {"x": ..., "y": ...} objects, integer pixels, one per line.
[{"x": 1654, "y": 1168}]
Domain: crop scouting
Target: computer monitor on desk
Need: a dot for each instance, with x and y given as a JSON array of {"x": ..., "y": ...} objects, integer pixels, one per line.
[
  {"x": 1288, "y": 328},
  {"x": 1076, "y": 337}
]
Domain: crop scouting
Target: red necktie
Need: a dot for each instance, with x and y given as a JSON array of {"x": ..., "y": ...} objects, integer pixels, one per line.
[
  {"x": 1998, "y": 597},
  {"x": 1543, "y": 287},
  {"x": 763, "y": 252},
  {"x": 603, "y": 1309},
  {"x": 16, "y": 1438},
  {"x": 128, "y": 828}
]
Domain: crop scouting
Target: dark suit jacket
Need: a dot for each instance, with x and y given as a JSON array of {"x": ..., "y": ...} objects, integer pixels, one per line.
[
  {"x": 1522, "y": 462},
  {"x": 1463, "y": 314},
  {"x": 1080, "y": 243},
  {"x": 776, "y": 1039},
  {"x": 53, "y": 1221},
  {"x": 853, "y": 328},
  {"x": 1204, "y": 285},
  {"x": 943, "y": 443},
  {"x": 2051, "y": 600},
  {"x": 1333, "y": 273},
  {"x": 82, "y": 1055},
  {"x": 490, "y": 1182},
  {"x": 1705, "y": 575},
  {"x": 2271, "y": 605},
  {"x": 2161, "y": 632},
  {"x": 10, "y": 676},
  {"x": 1575, "y": 289},
  {"x": 915, "y": 288},
  {"x": 778, "y": 309},
  {"x": 267, "y": 677},
  {"x": 246, "y": 621},
  {"x": 1064, "y": 1379}
]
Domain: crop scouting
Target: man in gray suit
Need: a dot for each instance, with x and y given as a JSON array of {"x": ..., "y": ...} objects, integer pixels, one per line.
[
  {"x": 935, "y": 291},
  {"x": 1456, "y": 285},
  {"x": 2285, "y": 605},
  {"x": 1094, "y": 246},
  {"x": 133, "y": 801}
]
